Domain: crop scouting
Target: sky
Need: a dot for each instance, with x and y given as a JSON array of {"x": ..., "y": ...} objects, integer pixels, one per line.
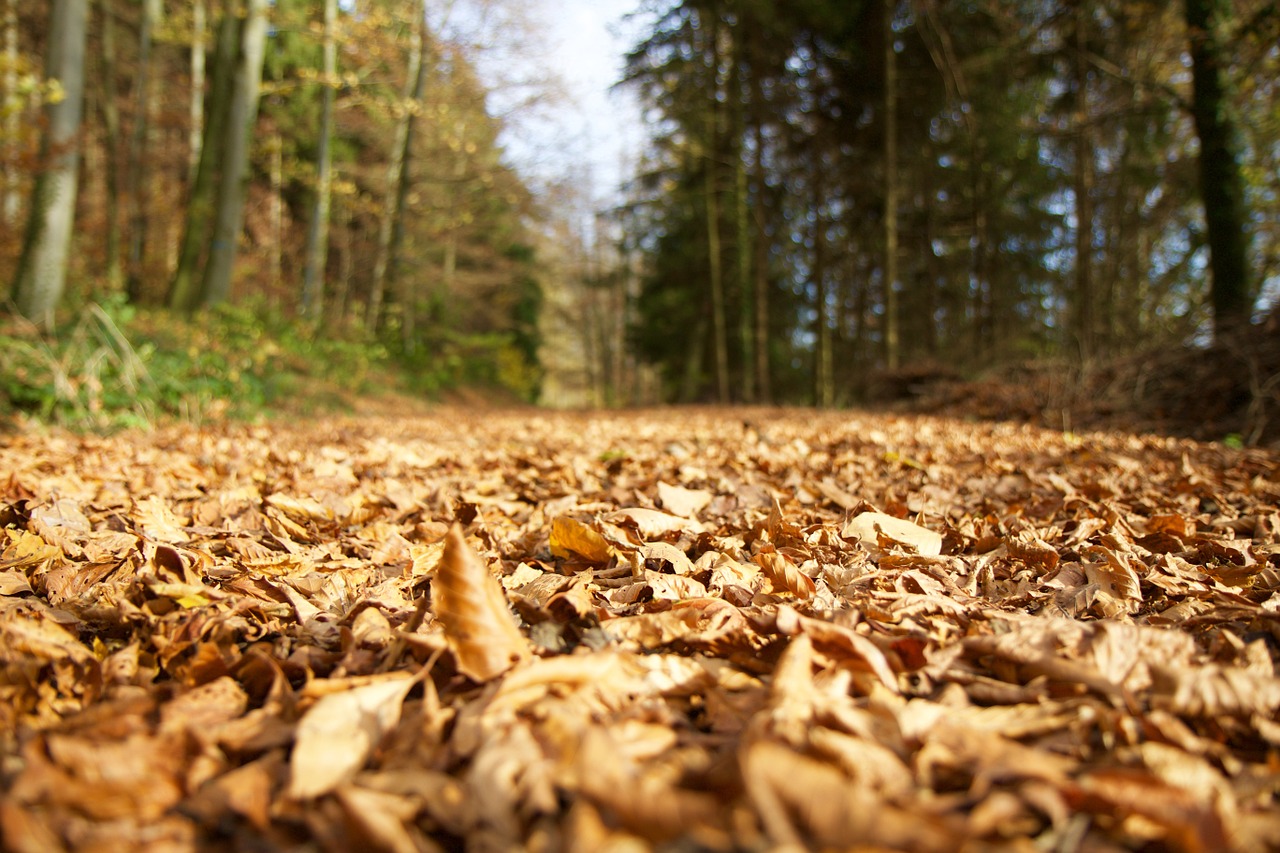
[{"x": 590, "y": 135}]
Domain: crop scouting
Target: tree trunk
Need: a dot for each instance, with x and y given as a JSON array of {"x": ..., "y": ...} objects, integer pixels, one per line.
[
  {"x": 396, "y": 168},
  {"x": 196, "y": 138},
  {"x": 274, "y": 146},
  {"x": 1084, "y": 321},
  {"x": 317, "y": 251},
  {"x": 183, "y": 292},
  {"x": 110, "y": 108},
  {"x": 715, "y": 269},
  {"x": 139, "y": 136},
  {"x": 760, "y": 248},
  {"x": 892, "y": 351},
  {"x": 242, "y": 116},
  {"x": 1221, "y": 183},
  {"x": 742, "y": 227},
  {"x": 824, "y": 384},
  {"x": 12, "y": 202},
  {"x": 42, "y": 269}
]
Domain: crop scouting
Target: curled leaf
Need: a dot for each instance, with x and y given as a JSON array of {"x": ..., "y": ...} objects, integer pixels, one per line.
[
  {"x": 471, "y": 606},
  {"x": 784, "y": 574}
]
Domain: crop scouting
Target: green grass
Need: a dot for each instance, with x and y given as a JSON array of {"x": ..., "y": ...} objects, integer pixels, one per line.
[{"x": 112, "y": 366}]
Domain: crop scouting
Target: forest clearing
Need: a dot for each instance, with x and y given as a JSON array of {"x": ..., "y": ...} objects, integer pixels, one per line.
[{"x": 671, "y": 629}]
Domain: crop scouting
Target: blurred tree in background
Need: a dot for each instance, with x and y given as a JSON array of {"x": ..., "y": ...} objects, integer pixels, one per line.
[
  {"x": 954, "y": 184},
  {"x": 832, "y": 191}
]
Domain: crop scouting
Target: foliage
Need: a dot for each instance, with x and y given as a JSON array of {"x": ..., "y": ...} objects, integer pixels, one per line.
[
  {"x": 115, "y": 366},
  {"x": 654, "y": 630},
  {"x": 1046, "y": 184},
  {"x": 461, "y": 235}
]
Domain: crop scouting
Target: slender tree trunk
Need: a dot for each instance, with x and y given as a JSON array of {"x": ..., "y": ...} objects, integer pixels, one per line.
[
  {"x": 317, "y": 251},
  {"x": 42, "y": 269},
  {"x": 11, "y": 204},
  {"x": 135, "y": 158},
  {"x": 742, "y": 215},
  {"x": 110, "y": 107},
  {"x": 715, "y": 269},
  {"x": 760, "y": 248},
  {"x": 892, "y": 350},
  {"x": 196, "y": 137},
  {"x": 396, "y": 168},
  {"x": 1221, "y": 182},
  {"x": 184, "y": 295},
  {"x": 275, "y": 212},
  {"x": 1084, "y": 321},
  {"x": 824, "y": 385},
  {"x": 241, "y": 118},
  {"x": 336, "y": 313}
]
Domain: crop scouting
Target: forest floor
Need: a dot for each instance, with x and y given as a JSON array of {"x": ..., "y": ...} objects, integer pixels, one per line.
[{"x": 668, "y": 629}]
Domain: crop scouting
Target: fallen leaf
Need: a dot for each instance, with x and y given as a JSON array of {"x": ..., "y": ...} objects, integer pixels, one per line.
[
  {"x": 681, "y": 501},
  {"x": 472, "y": 607},
  {"x": 570, "y": 537},
  {"x": 870, "y": 526},
  {"x": 338, "y": 733}
]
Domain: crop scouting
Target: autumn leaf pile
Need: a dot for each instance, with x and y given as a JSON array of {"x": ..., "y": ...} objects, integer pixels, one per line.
[{"x": 680, "y": 630}]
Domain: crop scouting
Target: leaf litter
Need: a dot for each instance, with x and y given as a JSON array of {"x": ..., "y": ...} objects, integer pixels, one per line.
[{"x": 665, "y": 630}]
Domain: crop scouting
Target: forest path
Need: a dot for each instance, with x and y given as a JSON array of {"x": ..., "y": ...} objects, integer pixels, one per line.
[{"x": 739, "y": 628}]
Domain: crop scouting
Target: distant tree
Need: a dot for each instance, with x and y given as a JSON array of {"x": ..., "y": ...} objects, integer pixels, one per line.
[
  {"x": 1221, "y": 181},
  {"x": 318, "y": 227},
  {"x": 10, "y": 111},
  {"x": 136, "y": 167},
  {"x": 215, "y": 212},
  {"x": 42, "y": 270},
  {"x": 398, "y": 164}
]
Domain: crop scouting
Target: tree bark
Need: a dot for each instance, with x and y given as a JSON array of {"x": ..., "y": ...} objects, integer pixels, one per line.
[
  {"x": 243, "y": 113},
  {"x": 184, "y": 295},
  {"x": 741, "y": 210},
  {"x": 824, "y": 381},
  {"x": 135, "y": 158},
  {"x": 715, "y": 269},
  {"x": 317, "y": 250},
  {"x": 42, "y": 269},
  {"x": 1221, "y": 182},
  {"x": 396, "y": 168},
  {"x": 196, "y": 138},
  {"x": 760, "y": 246},
  {"x": 110, "y": 110},
  {"x": 1084, "y": 321},
  {"x": 12, "y": 202},
  {"x": 892, "y": 349}
]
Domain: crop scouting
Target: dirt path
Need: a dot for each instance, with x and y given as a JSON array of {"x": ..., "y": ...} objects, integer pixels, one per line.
[{"x": 681, "y": 629}]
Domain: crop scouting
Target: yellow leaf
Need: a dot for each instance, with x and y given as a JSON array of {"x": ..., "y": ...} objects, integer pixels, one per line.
[{"x": 570, "y": 537}]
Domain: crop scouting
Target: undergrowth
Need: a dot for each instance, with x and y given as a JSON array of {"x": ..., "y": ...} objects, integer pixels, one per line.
[{"x": 113, "y": 366}]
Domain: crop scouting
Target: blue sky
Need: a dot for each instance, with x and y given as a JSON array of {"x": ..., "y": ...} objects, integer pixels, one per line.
[{"x": 589, "y": 133}]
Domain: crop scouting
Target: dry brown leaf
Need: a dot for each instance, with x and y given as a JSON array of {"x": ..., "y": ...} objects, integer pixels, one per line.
[
  {"x": 173, "y": 694},
  {"x": 868, "y": 527},
  {"x": 651, "y": 523},
  {"x": 842, "y": 644},
  {"x": 808, "y": 803},
  {"x": 784, "y": 574},
  {"x": 338, "y": 733},
  {"x": 470, "y": 604},
  {"x": 681, "y": 501}
]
